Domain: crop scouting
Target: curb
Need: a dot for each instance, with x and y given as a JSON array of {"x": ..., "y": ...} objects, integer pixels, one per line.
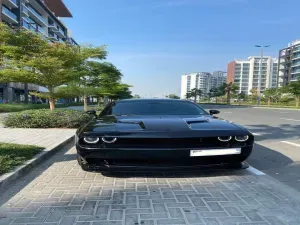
[
  {"x": 8, "y": 178},
  {"x": 257, "y": 107}
]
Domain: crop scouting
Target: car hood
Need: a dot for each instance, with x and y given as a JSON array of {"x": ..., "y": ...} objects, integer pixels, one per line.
[{"x": 205, "y": 124}]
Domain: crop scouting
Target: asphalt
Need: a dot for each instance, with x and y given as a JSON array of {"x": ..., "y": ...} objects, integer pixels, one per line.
[{"x": 277, "y": 137}]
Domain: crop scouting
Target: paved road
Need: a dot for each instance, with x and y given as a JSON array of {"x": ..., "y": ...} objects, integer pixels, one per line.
[
  {"x": 277, "y": 150},
  {"x": 59, "y": 193}
]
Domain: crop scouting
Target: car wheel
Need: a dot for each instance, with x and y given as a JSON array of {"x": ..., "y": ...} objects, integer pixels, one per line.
[{"x": 84, "y": 166}]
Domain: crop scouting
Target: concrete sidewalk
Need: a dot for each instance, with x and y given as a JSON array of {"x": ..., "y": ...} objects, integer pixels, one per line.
[
  {"x": 58, "y": 192},
  {"x": 46, "y": 138}
]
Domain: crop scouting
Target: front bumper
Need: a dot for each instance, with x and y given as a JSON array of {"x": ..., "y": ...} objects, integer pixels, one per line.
[{"x": 121, "y": 159}]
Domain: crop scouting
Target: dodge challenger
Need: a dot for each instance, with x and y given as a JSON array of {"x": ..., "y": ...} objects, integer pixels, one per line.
[{"x": 161, "y": 134}]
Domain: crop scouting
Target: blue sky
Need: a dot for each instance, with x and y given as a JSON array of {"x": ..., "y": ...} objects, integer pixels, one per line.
[{"x": 154, "y": 42}]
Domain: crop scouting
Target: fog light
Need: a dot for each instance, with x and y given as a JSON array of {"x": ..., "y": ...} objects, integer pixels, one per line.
[
  {"x": 225, "y": 139},
  {"x": 91, "y": 140},
  {"x": 242, "y": 138}
]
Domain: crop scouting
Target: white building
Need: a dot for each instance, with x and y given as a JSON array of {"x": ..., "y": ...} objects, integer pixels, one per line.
[
  {"x": 245, "y": 73},
  {"x": 289, "y": 68},
  {"x": 201, "y": 80},
  {"x": 216, "y": 79}
]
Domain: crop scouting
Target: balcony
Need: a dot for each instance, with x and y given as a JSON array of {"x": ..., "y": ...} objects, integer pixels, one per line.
[
  {"x": 61, "y": 33},
  {"x": 25, "y": 10},
  {"x": 296, "y": 72},
  {"x": 41, "y": 20},
  {"x": 9, "y": 16},
  {"x": 295, "y": 64},
  {"x": 11, "y": 3},
  {"x": 53, "y": 28}
]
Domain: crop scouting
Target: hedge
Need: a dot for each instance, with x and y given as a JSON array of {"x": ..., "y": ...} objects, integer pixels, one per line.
[{"x": 45, "y": 118}]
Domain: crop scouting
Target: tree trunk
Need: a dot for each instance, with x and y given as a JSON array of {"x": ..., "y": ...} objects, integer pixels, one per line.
[
  {"x": 297, "y": 101},
  {"x": 195, "y": 99},
  {"x": 228, "y": 97},
  {"x": 269, "y": 101},
  {"x": 99, "y": 101},
  {"x": 52, "y": 103},
  {"x": 85, "y": 105}
]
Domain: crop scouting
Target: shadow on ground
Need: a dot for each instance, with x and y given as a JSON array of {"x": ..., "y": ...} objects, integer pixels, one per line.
[{"x": 282, "y": 131}]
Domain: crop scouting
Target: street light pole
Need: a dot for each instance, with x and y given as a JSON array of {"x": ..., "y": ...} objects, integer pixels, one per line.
[{"x": 260, "y": 71}]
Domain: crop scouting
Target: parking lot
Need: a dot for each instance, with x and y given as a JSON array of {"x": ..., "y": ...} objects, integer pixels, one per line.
[
  {"x": 59, "y": 192},
  {"x": 277, "y": 137}
]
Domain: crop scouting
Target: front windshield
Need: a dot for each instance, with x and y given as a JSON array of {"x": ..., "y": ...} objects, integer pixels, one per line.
[{"x": 157, "y": 108}]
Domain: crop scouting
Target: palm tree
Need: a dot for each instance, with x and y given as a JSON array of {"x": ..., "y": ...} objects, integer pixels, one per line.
[
  {"x": 230, "y": 88},
  {"x": 195, "y": 92}
]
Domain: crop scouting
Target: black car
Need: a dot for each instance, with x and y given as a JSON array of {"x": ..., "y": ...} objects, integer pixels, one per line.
[{"x": 160, "y": 133}]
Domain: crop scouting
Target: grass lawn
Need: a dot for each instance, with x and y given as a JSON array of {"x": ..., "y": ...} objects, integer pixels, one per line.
[
  {"x": 12, "y": 155},
  {"x": 5, "y": 108}
]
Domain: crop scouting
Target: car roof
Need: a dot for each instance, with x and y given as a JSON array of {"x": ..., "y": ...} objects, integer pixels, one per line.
[{"x": 151, "y": 100}]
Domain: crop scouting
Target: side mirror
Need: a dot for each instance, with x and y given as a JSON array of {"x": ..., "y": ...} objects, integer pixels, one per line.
[
  {"x": 92, "y": 112},
  {"x": 213, "y": 111}
]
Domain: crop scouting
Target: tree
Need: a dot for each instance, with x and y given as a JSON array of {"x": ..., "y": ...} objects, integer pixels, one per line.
[
  {"x": 230, "y": 88},
  {"x": 136, "y": 96},
  {"x": 99, "y": 80},
  {"x": 121, "y": 91},
  {"x": 254, "y": 94},
  {"x": 188, "y": 95},
  {"x": 242, "y": 96},
  {"x": 271, "y": 93},
  {"x": 195, "y": 92},
  {"x": 31, "y": 59},
  {"x": 294, "y": 88},
  {"x": 173, "y": 96}
]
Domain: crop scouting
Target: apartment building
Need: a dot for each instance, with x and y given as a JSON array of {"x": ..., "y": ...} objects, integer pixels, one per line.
[
  {"x": 41, "y": 16},
  {"x": 216, "y": 79},
  {"x": 289, "y": 64},
  {"x": 201, "y": 80},
  {"x": 245, "y": 73}
]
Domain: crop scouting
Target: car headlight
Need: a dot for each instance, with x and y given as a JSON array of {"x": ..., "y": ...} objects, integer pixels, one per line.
[
  {"x": 225, "y": 139},
  {"x": 91, "y": 140},
  {"x": 242, "y": 138},
  {"x": 109, "y": 140}
]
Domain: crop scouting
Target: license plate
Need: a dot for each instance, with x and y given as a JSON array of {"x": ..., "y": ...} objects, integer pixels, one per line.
[{"x": 213, "y": 152}]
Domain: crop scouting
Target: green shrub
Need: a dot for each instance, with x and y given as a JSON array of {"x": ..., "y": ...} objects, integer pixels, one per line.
[
  {"x": 16, "y": 107},
  {"x": 45, "y": 118}
]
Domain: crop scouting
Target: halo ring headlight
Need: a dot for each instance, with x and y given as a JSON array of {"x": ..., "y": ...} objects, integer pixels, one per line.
[
  {"x": 241, "y": 138},
  {"x": 109, "y": 140},
  {"x": 91, "y": 140},
  {"x": 225, "y": 139}
]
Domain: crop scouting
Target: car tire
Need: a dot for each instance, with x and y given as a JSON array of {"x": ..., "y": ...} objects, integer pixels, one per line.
[{"x": 84, "y": 166}]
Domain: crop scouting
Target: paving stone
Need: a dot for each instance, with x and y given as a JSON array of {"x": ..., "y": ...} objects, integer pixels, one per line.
[
  {"x": 170, "y": 221},
  {"x": 116, "y": 215},
  {"x": 58, "y": 192}
]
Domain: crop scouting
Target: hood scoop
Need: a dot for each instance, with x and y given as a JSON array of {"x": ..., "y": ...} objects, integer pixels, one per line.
[
  {"x": 128, "y": 121},
  {"x": 194, "y": 123}
]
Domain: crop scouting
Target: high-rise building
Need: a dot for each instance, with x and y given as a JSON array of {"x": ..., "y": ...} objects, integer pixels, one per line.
[
  {"x": 194, "y": 80},
  {"x": 289, "y": 64},
  {"x": 245, "y": 73},
  {"x": 41, "y": 16},
  {"x": 201, "y": 80},
  {"x": 216, "y": 79}
]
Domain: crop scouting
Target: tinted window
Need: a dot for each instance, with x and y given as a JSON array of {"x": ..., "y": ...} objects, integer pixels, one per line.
[{"x": 157, "y": 108}]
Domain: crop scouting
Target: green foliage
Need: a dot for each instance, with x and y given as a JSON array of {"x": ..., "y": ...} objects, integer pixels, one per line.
[
  {"x": 136, "y": 96},
  {"x": 45, "y": 118},
  {"x": 294, "y": 89},
  {"x": 173, "y": 96},
  {"x": 5, "y": 108},
  {"x": 12, "y": 155},
  {"x": 31, "y": 59},
  {"x": 195, "y": 92}
]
